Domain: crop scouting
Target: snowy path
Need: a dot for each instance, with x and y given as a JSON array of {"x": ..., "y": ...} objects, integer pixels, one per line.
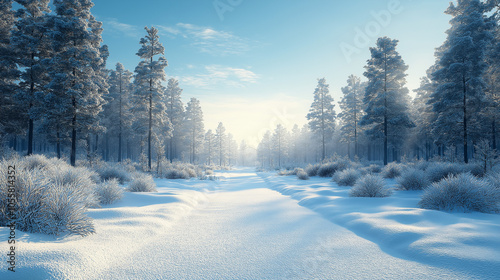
[
  {"x": 247, "y": 231},
  {"x": 243, "y": 230}
]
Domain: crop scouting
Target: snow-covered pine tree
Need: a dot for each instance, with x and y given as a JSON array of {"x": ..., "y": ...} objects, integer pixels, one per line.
[
  {"x": 74, "y": 69},
  {"x": 221, "y": 138},
  {"x": 175, "y": 112},
  {"x": 117, "y": 111},
  {"x": 352, "y": 112},
  {"x": 423, "y": 116},
  {"x": 492, "y": 79},
  {"x": 9, "y": 119},
  {"x": 386, "y": 98},
  {"x": 210, "y": 147},
  {"x": 242, "y": 153},
  {"x": 280, "y": 144},
  {"x": 31, "y": 42},
  {"x": 457, "y": 100},
  {"x": 232, "y": 149},
  {"x": 265, "y": 150},
  {"x": 149, "y": 98},
  {"x": 194, "y": 128},
  {"x": 322, "y": 115}
]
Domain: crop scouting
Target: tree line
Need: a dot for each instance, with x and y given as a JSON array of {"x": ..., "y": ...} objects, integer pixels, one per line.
[
  {"x": 58, "y": 95},
  {"x": 455, "y": 108}
]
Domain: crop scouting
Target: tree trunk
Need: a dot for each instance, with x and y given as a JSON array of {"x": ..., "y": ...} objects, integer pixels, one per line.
[
  {"x": 73, "y": 135},
  {"x": 466, "y": 152}
]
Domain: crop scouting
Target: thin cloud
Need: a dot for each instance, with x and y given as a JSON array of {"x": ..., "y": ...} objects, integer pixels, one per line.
[
  {"x": 221, "y": 75},
  {"x": 208, "y": 40},
  {"x": 114, "y": 26}
]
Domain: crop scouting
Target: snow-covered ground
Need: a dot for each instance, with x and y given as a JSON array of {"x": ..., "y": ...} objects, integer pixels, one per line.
[{"x": 238, "y": 228}]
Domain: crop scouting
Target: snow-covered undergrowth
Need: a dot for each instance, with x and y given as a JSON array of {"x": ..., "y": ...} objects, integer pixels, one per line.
[
  {"x": 51, "y": 196},
  {"x": 399, "y": 226},
  {"x": 142, "y": 183},
  {"x": 464, "y": 193},
  {"x": 178, "y": 170},
  {"x": 370, "y": 186}
]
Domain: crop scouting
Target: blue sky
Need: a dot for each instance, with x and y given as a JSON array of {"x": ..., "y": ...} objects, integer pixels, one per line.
[{"x": 256, "y": 64}]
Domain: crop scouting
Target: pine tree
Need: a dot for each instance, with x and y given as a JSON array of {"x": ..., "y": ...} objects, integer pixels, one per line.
[
  {"x": 386, "y": 97},
  {"x": 322, "y": 115},
  {"x": 220, "y": 136},
  {"x": 280, "y": 144},
  {"x": 175, "y": 112},
  {"x": 9, "y": 118},
  {"x": 149, "y": 96},
  {"x": 31, "y": 42},
  {"x": 264, "y": 150},
  {"x": 117, "y": 111},
  {"x": 461, "y": 66},
  {"x": 75, "y": 69},
  {"x": 422, "y": 114},
  {"x": 352, "y": 112},
  {"x": 210, "y": 146},
  {"x": 194, "y": 128},
  {"x": 492, "y": 79}
]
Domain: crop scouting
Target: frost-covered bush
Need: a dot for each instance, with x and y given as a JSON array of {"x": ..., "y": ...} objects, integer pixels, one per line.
[
  {"x": 464, "y": 193},
  {"x": 328, "y": 169},
  {"x": 179, "y": 171},
  {"x": 51, "y": 197},
  {"x": 302, "y": 175},
  {"x": 392, "y": 170},
  {"x": 374, "y": 168},
  {"x": 370, "y": 186},
  {"x": 421, "y": 164},
  {"x": 413, "y": 179},
  {"x": 347, "y": 177},
  {"x": 77, "y": 177},
  {"x": 312, "y": 170},
  {"x": 142, "y": 183},
  {"x": 109, "y": 172},
  {"x": 108, "y": 192},
  {"x": 436, "y": 171}
]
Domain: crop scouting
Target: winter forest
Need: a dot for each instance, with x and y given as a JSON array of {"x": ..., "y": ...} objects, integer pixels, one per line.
[{"x": 102, "y": 152}]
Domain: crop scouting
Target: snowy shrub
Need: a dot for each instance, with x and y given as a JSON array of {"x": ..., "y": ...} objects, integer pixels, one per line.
[
  {"x": 328, "y": 169},
  {"x": 142, "y": 183},
  {"x": 302, "y": 175},
  {"x": 437, "y": 171},
  {"x": 392, "y": 170},
  {"x": 65, "y": 207},
  {"x": 421, "y": 164},
  {"x": 47, "y": 202},
  {"x": 209, "y": 172},
  {"x": 413, "y": 179},
  {"x": 464, "y": 193},
  {"x": 476, "y": 170},
  {"x": 370, "y": 186},
  {"x": 375, "y": 168},
  {"x": 108, "y": 192},
  {"x": 36, "y": 161},
  {"x": 494, "y": 179},
  {"x": 113, "y": 172},
  {"x": 347, "y": 177},
  {"x": 77, "y": 177},
  {"x": 176, "y": 174},
  {"x": 312, "y": 170}
]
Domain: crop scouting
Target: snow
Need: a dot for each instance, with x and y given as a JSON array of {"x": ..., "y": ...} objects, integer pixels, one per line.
[{"x": 239, "y": 228}]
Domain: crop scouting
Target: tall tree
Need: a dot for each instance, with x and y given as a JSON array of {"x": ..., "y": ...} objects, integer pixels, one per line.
[
  {"x": 149, "y": 92},
  {"x": 220, "y": 136},
  {"x": 386, "y": 97},
  {"x": 9, "y": 119},
  {"x": 75, "y": 67},
  {"x": 175, "y": 112},
  {"x": 117, "y": 111},
  {"x": 280, "y": 143},
  {"x": 352, "y": 112},
  {"x": 31, "y": 42},
  {"x": 322, "y": 115},
  {"x": 194, "y": 128},
  {"x": 210, "y": 146},
  {"x": 459, "y": 75}
]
